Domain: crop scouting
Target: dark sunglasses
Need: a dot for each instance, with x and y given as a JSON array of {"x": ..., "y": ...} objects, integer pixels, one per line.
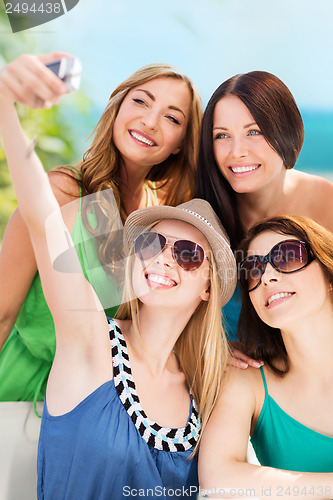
[
  {"x": 188, "y": 255},
  {"x": 287, "y": 256}
]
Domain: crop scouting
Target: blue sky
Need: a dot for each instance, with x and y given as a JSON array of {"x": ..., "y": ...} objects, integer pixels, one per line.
[{"x": 210, "y": 39}]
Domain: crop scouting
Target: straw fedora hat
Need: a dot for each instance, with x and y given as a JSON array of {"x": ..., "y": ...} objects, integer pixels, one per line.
[{"x": 199, "y": 214}]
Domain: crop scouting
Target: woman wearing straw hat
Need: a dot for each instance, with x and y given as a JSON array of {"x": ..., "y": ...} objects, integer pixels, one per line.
[{"x": 122, "y": 418}]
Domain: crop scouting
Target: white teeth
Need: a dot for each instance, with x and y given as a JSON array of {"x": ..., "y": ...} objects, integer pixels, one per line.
[
  {"x": 140, "y": 138},
  {"x": 278, "y": 296},
  {"x": 240, "y": 170},
  {"x": 161, "y": 280}
]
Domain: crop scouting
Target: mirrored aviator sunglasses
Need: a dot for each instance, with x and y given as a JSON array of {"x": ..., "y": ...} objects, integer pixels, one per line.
[
  {"x": 287, "y": 256},
  {"x": 188, "y": 255}
]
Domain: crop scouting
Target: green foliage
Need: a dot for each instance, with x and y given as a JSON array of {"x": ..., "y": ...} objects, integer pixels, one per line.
[{"x": 54, "y": 128}]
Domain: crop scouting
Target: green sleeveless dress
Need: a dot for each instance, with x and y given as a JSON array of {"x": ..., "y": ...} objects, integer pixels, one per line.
[
  {"x": 27, "y": 355},
  {"x": 281, "y": 441}
]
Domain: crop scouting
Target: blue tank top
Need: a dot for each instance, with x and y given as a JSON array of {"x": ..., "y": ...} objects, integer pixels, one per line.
[
  {"x": 107, "y": 447},
  {"x": 230, "y": 315},
  {"x": 281, "y": 441}
]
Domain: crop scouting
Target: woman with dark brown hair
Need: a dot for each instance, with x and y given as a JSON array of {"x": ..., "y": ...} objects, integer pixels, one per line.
[
  {"x": 287, "y": 320},
  {"x": 252, "y": 134}
]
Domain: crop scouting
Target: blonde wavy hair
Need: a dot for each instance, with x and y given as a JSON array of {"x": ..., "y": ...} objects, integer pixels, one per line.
[{"x": 202, "y": 347}]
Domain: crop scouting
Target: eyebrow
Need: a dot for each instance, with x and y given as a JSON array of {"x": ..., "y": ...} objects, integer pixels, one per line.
[
  {"x": 166, "y": 235},
  {"x": 245, "y": 126},
  {"x": 152, "y": 97},
  {"x": 149, "y": 94}
]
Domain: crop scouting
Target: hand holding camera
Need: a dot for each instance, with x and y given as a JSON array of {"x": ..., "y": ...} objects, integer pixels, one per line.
[
  {"x": 68, "y": 69},
  {"x": 39, "y": 81}
]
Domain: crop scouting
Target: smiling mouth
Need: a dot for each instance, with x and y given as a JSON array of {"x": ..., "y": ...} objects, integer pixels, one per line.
[
  {"x": 278, "y": 296},
  {"x": 141, "y": 138},
  {"x": 244, "y": 169},
  {"x": 161, "y": 280}
]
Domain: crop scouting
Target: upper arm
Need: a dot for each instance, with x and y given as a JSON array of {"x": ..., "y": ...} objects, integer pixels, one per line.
[
  {"x": 64, "y": 184},
  {"x": 17, "y": 270},
  {"x": 225, "y": 438}
]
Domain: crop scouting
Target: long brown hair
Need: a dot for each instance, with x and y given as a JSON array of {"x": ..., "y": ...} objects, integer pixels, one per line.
[
  {"x": 259, "y": 340},
  {"x": 274, "y": 109},
  {"x": 100, "y": 167},
  {"x": 101, "y": 163}
]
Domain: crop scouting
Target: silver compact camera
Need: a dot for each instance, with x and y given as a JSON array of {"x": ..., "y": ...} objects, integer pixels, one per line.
[{"x": 68, "y": 69}]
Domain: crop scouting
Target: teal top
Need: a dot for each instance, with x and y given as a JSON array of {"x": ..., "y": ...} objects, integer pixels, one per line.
[{"x": 282, "y": 442}]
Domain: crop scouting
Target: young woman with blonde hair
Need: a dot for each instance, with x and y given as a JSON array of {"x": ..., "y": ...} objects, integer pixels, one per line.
[
  {"x": 123, "y": 419},
  {"x": 286, "y": 278}
]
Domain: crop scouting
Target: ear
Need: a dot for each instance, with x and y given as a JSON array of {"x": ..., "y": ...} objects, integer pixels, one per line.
[
  {"x": 205, "y": 295},
  {"x": 177, "y": 150}
]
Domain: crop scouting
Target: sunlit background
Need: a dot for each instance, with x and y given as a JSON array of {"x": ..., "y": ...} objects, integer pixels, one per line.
[{"x": 210, "y": 40}]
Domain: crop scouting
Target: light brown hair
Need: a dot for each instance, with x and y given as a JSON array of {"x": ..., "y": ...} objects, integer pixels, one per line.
[
  {"x": 101, "y": 162},
  {"x": 100, "y": 167}
]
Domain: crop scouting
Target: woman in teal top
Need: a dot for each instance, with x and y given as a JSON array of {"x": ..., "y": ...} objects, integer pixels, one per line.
[
  {"x": 286, "y": 277},
  {"x": 144, "y": 149},
  {"x": 281, "y": 441}
]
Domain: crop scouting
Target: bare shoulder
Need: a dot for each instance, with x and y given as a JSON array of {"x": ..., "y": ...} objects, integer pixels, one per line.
[
  {"x": 65, "y": 185},
  {"x": 316, "y": 197},
  {"x": 124, "y": 326},
  {"x": 227, "y": 432},
  {"x": 313, "y": 184},
  {"x": 241, "y": 385},
  {"x": 248, "y": 377}
]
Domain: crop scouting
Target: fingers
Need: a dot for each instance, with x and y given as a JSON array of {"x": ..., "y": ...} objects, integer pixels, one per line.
[
  {"x": 236, "y": 362},
  {"x": 29, "y": 82},
  {"x": 241, "y": 360},
  {"x": 47, "y": 58}
]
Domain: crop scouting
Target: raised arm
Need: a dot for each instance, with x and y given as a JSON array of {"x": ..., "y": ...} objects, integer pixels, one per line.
[
  {"x": 82, "y": 359},
  {"x": 17, "y": 259},
  {"x": 222, "y": 455}
]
